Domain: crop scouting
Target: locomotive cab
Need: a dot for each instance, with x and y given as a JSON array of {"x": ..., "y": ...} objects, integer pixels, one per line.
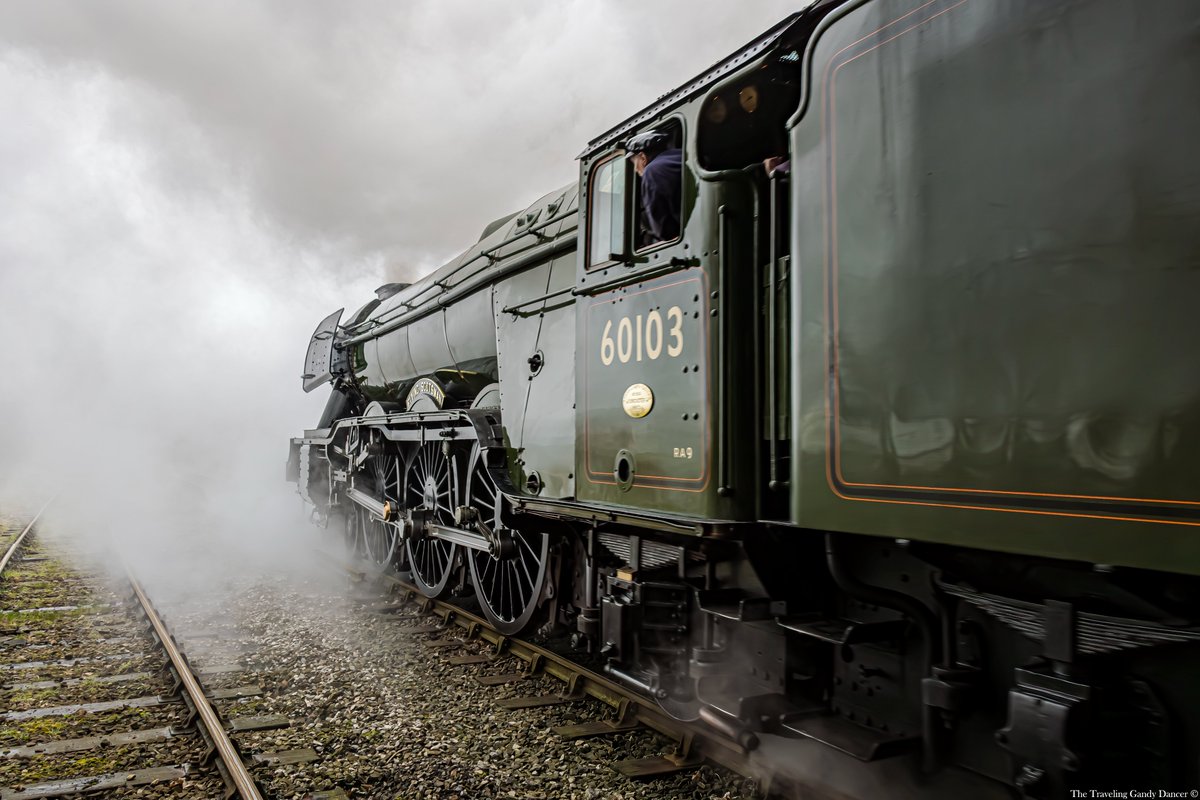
[
  {"x": 674, "y": 374},
  {"x": 682, "y": 392}
]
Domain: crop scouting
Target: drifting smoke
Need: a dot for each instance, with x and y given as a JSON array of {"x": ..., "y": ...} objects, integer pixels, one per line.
[{"x": 187, "y": 189}]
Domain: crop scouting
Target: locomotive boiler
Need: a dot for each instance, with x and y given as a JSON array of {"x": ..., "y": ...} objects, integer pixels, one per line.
[{"x": 889, "y": 456}]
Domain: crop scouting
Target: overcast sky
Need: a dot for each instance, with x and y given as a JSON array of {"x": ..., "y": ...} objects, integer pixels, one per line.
[{"x": 186, "y": 188}]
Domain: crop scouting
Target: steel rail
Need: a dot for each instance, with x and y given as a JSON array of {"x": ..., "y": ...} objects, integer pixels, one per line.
[
  {"x": 691, "y": 739},
  {"x": 19, "y": 542},
  {"x": 235, "y": 769},
  {"x": 228, "y": 753}
]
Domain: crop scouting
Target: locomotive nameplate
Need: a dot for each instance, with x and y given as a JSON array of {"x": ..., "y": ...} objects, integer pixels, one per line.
[
  {"x": 422, "y": 389},
  {"x": 638, "y": 400}
]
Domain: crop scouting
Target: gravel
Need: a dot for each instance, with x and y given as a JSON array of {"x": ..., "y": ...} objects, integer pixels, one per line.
[{"x": 389, "y": 718}]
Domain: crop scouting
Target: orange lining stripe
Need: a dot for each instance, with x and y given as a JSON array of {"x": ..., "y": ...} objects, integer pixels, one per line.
[{"x": 1079, "y": 515}]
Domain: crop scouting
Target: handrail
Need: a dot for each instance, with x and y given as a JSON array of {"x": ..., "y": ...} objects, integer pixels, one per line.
[
  {"x": 536, "y": 300},
  {"x": 773, "y": 483},
  {"x": 528, "y": 256},
  {"x": 756, "y": 316},
  {"x": 533, "y": 229},
  {"x": 722, "y": 312},
  {"x": 445, "y": 286},
  {"x": 492, "y": 258},
  {"x": 402, "y": 306},
  {"x": 674, "y": 265}
]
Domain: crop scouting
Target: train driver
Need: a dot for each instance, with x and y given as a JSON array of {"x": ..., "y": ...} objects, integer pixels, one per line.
[{"x": 660, "y": 170}]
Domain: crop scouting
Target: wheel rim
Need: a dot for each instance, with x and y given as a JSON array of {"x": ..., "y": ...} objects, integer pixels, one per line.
[
  {"x": 380, "y": 540},
  {"x": 508, "y": 589},
  {"x": 431, "y": 485}
]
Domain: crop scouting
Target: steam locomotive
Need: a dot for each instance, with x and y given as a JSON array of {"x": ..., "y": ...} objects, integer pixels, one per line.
[{"x": 890, "y": 456}]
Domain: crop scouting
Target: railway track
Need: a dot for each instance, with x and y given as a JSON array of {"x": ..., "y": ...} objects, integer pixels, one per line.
[
  {"x": 606, "y": 708},
  {"x": 82, "y": 715}
]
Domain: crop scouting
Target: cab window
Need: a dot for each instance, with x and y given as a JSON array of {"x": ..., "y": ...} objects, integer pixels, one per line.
[
  {"x": 658, "y": 191},
  {"x": 745, "y": 121},
  {"x": 606, "y": 211}
]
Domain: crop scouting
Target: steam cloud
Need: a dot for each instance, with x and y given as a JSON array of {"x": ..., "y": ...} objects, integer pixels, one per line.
[{"x": 186, "y": 189}]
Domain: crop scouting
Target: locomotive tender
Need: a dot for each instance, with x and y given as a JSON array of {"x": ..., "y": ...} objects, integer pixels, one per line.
[{"x": 890, "y": 456}]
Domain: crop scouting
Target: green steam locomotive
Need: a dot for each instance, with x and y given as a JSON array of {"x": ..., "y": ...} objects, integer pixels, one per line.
[{"x": 887, "y": 451}]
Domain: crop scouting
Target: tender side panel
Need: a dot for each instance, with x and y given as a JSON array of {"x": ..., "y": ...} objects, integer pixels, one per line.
[{"x": 995, "y": 225}]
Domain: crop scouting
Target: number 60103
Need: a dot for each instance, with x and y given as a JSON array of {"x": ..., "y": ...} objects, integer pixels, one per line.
[{"x": 642, "y": 337}]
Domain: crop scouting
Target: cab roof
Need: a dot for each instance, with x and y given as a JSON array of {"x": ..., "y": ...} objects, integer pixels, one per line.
[{"x": 692, "y": 88}]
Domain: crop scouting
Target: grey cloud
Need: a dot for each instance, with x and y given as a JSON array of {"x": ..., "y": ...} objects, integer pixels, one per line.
[{"x": 384, "y": 128}]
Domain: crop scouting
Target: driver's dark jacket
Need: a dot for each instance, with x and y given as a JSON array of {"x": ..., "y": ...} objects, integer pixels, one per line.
[{"x": 662, "y": 187}]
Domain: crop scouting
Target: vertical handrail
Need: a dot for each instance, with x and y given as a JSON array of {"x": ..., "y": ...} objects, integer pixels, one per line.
[
  {"x": 756, "y": 317},
  {"x": 722, "y": 311},
  {"x": 773, "y": 482}
]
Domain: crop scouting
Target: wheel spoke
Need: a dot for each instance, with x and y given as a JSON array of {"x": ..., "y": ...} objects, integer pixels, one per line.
[
  {"x": 500, "y": 606},
  {"x": 508, "y": 592},
  {"x": 431, "y": 560},
  {"x": 525, "y": 569},
  {"x": 513, "y": 590},
  {"x": 520, "y": 537}
]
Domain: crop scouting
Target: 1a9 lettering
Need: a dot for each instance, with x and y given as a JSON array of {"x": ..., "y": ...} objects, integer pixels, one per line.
[{"x": 642, "y": 337}]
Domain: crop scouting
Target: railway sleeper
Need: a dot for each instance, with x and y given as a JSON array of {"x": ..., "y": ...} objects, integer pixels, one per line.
[{"x": 98, "y": 783}]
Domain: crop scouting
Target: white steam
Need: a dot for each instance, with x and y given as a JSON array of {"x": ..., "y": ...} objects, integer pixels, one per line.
[{"x": 185, "y": 190}]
